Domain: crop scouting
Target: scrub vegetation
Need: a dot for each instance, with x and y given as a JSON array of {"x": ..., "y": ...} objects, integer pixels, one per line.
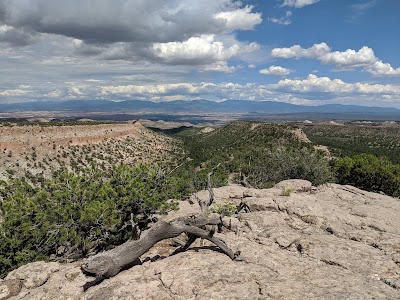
[{"x": 78, "y": 199}]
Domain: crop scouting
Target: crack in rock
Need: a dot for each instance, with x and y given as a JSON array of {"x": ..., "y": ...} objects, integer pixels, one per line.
[
  {"x": 260, "y": 291},
  {"x": 166, "y": 285},
  {"x": 393, "y": 283},
  {"x": 333, "y": 263}
]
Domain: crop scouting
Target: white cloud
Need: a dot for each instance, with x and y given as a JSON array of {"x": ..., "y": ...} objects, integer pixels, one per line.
[
  {"x": 242, "y": 19},
  {"x": 298, "y": 3},
  {"x": 93, "y": 80},
  {"x": 317, "y": 84},
  {"x": 358, "y": 9},
  {"x": 280, "y": 21},
  {"x": 55, "y": 94},
  {"x": 287, "y": 90},
  {"x": 283, "y": 20},
  {"x": 296, "y": 51},
  {"x": 364, "y": 57},
  {"x": 363, "y": 6},
  {"x": 350, "y": 58},
  {"x": 381, "y": 69},
  {"x": 5, "y": 28},
  {"x": 219, "y": 67},
  {"x": 160, "y": 89},
  {"x": 194, "y": 49},
  {"x": 276, "y": 70},
  {"x": 203, "y": 50},
  {"x": 13, "y": 93},
  {"x": 311, "y": 90}
]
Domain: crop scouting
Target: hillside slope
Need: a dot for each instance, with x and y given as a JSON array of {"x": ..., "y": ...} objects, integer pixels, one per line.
[
  {"x": 42, "y": 149},
  {"x": 265, "y": 153},
  {"x": 355, "y": 138},
  {"x": 330, "y": 242}
]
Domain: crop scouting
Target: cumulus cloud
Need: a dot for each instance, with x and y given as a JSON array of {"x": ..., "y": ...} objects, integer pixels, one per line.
[
  {"x": 298, "y": 3},
  {"x": 350, "y": 58},
  {"x": 160, "y": 89},
  {"x": 314, "y": 83},
  {"x": 383, "y": 69},
  {"x": 228, "y": 90},
  {"x": 242, "y": 19},
  {"x": 147, "y": 21},
  {"x": 176, "y": 32},
  {"x": 296, "y": 51},
  {"x": 276, "y": 70},
  {"x": 196, "y": 50},
  {"x": 364, "y": 57},
  {"x": 199, "y": 51}
]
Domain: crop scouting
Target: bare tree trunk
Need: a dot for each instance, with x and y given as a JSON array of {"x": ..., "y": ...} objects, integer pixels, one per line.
[
  {"x": 244, "y": 182},
  {"x": 110, "y": 263}
]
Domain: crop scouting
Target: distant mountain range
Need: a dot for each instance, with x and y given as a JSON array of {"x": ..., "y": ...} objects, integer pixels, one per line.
[{"x": 199, "y": 107}]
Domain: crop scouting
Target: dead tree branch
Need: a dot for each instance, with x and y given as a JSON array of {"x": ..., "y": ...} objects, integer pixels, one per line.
[
  {"x": 110, "y": 263},
  {"x": 244, "y": 181}
]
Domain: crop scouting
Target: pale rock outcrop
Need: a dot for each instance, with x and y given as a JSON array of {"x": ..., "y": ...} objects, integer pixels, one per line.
[{"x": 330, "y": 242}]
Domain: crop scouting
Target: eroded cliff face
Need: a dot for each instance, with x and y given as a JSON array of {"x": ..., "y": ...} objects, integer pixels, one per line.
[{"x": 297, "y": 242}]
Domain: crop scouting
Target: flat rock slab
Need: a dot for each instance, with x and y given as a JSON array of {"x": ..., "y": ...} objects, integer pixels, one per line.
[{"x": 330, "y": 242}]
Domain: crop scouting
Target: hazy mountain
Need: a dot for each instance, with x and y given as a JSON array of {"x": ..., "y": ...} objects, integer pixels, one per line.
[{"x": 196, "y": 107}]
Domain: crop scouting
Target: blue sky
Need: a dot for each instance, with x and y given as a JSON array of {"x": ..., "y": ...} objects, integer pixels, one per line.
[{"x": 309, "y": 52}]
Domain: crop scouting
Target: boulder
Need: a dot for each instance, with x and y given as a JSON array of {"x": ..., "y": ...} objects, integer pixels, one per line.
[{"x": 298, "y": 185}]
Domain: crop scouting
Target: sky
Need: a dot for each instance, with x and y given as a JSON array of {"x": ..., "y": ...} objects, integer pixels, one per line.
[{"x": 308, "y": 52}]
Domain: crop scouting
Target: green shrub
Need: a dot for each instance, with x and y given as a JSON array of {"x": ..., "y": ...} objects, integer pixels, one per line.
[
  {"x": 228, "y": 208},
  {"x": 370, "y": 173},
  {"x": 283, "y": 164},
  {"x": 82, "y": 214},
  {"x": 286, "y": 192}
]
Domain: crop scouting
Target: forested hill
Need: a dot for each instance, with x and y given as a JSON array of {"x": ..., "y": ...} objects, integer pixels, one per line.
[
  {"x": 265, "y": 153},
  {"x": 382, "y": 139},
  {"x": 239, "y": 140}
]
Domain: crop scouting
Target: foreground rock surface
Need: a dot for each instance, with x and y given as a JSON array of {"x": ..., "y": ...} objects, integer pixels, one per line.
[{"x": 330, "y": 242}]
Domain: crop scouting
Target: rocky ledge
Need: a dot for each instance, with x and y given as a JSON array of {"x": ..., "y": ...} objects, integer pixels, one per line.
[{"x": 296, "y": 242}]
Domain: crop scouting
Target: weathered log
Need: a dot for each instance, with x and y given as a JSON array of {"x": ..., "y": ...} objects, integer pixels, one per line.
[{"x": 110, "y": 263}]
